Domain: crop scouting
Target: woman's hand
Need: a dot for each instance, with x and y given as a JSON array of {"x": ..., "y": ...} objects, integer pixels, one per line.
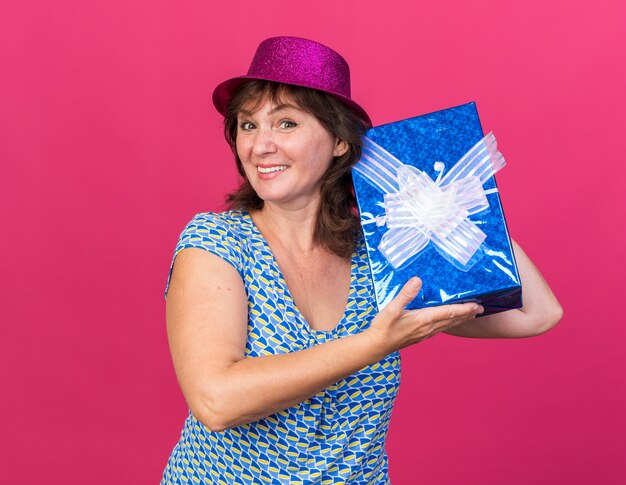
[{"x": 395, "y": 328}]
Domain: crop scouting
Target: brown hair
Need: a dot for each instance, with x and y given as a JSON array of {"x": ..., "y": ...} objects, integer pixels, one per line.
[{"x": 337, "y": 225}]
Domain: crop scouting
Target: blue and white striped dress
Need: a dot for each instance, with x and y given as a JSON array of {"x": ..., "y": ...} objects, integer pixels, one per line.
[{"x": 336, "y": 436}]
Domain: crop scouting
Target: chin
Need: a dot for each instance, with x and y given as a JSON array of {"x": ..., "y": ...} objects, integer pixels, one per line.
[{"x": 271, "y": 196}]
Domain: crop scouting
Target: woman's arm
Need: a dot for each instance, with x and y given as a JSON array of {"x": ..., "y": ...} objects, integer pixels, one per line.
[
  {"x": 541, "y": 310},
  {"x": 207, "y": 316}
]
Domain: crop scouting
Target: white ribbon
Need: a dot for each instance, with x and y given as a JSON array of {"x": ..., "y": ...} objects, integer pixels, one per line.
[{"x": 419, "y": 210}]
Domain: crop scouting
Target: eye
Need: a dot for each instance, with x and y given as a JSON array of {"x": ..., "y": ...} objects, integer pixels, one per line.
[
  {"x": 288, "y": 124},
  {"x": 246, "y": 126}
]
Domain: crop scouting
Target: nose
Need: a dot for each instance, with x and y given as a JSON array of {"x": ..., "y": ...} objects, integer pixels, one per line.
[{"x": 264, "y": 142}]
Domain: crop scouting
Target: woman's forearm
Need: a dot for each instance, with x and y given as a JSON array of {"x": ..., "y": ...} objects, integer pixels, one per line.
[{"x": 256, "y": 387}]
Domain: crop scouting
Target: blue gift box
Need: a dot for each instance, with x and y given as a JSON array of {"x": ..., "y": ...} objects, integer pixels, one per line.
[{"x": 406, "y": 237}]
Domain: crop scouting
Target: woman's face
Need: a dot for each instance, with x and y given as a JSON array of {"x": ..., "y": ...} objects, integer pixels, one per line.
[{"x": 285, "y": 151}]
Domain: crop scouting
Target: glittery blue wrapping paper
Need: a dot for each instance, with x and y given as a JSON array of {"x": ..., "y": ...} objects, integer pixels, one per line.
[{"x": 493, "y": 281}]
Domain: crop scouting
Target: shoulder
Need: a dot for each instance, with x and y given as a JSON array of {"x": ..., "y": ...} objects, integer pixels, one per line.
[
  {"x": 212, "y": 229},
  {"x": 219, "y": 233},
  {"x": 228, "y": 221}
]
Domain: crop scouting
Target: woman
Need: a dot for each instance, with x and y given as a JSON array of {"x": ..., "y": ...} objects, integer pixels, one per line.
[{"x": 289, "y": 374}]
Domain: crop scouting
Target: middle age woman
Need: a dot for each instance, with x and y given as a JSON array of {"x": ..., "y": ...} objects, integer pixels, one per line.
[{"x": 289, "y": 373}]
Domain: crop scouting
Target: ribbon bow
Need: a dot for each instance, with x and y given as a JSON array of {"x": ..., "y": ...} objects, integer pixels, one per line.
[{"x": 419, "y": 210}]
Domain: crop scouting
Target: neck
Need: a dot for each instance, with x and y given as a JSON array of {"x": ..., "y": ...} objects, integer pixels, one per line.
[{"x": 292, "y": 226}]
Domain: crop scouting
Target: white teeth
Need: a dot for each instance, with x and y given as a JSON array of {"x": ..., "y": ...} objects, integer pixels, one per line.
[{"x": 277, "y": 168}]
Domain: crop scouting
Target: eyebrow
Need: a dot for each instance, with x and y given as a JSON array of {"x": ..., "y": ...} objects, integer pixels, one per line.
[
  {"x": 280, "y": 107},
  {"x": 283, "y": 106}
]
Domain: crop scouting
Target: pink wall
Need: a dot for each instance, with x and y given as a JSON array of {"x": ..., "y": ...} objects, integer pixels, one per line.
[{"x": 109, "y": 145}]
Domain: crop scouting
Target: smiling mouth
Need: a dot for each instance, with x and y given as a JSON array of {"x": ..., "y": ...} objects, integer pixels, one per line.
[{"x": 277, "y": 168}]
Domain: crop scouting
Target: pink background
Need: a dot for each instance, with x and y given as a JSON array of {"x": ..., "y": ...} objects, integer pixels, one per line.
[{"x": 109, "y": 145}]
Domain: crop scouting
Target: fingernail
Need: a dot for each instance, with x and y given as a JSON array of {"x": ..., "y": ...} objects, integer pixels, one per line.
[{"x": 415, "y": 282}]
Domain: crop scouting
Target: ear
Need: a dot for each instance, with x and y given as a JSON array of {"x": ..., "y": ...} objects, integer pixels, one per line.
[{"x": 341, "y": 147}]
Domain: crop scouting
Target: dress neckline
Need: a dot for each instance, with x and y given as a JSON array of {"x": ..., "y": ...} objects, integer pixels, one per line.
[{"x": 283, "y": 282}]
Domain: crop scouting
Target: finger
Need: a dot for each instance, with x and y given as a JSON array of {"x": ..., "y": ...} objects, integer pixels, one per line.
[
  {"x": 406, "y": 295},
  {"x": 446, "y": 325},
  {"x": 443, "y": 315}
]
